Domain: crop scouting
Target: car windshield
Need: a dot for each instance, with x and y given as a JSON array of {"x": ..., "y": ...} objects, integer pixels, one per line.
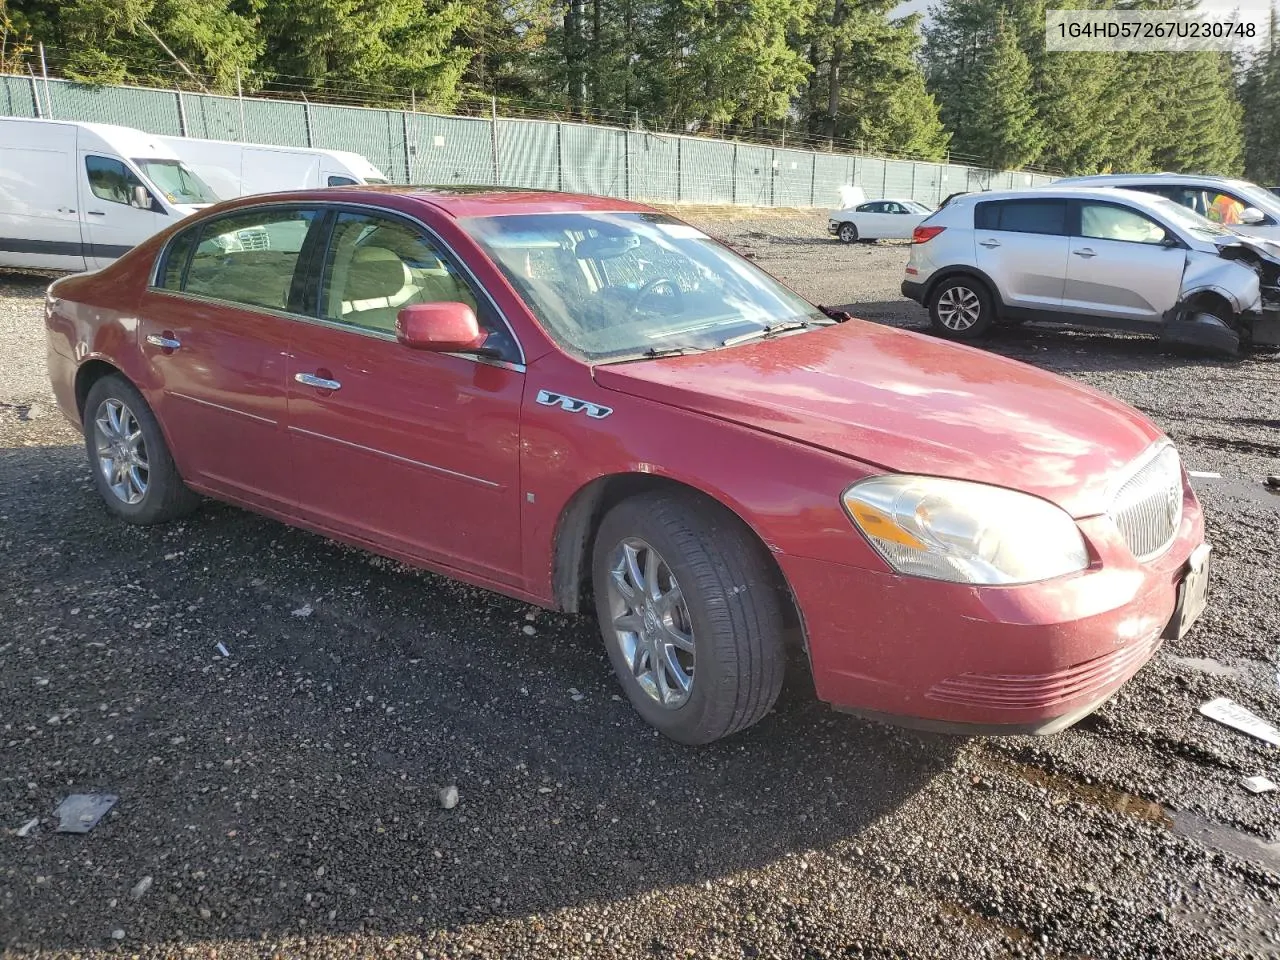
[
  {"x": 1257, "y": 196},
  {"x": 1189, "y": 220},
  {"x": 178, "y": 182},
  {"x": 612, "y": 286}
]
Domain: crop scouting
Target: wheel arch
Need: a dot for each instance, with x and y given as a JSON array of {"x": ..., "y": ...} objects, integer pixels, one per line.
[
  {"x": 89, "y": 373},
  {"x": 580, "y": 518}
]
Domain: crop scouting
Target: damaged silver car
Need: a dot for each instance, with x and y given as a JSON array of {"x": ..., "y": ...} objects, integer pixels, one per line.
[{"x": 1098, "y": 257}]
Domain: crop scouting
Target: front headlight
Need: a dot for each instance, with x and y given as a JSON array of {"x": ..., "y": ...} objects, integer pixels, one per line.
[{"x": 965, "y": 532}]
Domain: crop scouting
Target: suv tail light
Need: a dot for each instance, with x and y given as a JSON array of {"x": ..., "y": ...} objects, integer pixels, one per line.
[{"x": 925, "y": 234}]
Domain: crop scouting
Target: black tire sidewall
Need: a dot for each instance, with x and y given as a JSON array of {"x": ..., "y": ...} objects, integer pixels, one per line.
[
  {"x": 161, "y": 501},
  {"x": 848, "y": 233},
  {"x": 986, "y": 309}
]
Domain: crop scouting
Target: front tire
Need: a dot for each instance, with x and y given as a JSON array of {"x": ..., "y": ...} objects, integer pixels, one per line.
[
  {"x": 847, "y": 233},
  {"x": 132, "y": 469},
  {"x": 691, "y": 615},
  {"x": 961, "y": 308}
]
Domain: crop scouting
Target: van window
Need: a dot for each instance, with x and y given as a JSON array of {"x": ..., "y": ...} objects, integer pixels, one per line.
[
  {"x": 250, "y": 258},
  {"x": 1022, "y": 216},
  {"x": 112, "y": 181},
  {"x": 177, "y": 181},
  {"x": 340, "y": 181}
]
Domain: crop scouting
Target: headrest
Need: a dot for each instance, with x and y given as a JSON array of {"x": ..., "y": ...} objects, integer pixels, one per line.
[{"x": 374, "y": 273}]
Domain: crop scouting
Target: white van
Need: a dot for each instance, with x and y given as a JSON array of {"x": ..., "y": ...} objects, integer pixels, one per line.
[
  {"x": 78, "y": 195},
  {"x": 239, "y": 169}
]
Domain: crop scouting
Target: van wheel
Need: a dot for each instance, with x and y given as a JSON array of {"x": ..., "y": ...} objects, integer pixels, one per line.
[
  {"x": 848, "y": 233},
  {"x": 132, "y": 469},
  {"x": 691, "y": 615},
  {"x": 961, "y": 309}
]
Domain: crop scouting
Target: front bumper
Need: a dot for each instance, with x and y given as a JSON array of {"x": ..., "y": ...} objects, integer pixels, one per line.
[
  {"x": 1023, "y": 659},
  {"x": 833, "y": 227}
]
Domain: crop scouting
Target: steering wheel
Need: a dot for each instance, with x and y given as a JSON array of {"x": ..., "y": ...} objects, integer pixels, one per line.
[{"x": 657, "y": 283}]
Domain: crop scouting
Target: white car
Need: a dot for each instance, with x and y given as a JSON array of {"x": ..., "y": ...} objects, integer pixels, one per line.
[{"x": 886, "y": 219}]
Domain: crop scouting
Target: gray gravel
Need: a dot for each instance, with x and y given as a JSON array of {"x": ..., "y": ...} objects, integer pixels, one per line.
[{"x": 289, "y": 799}]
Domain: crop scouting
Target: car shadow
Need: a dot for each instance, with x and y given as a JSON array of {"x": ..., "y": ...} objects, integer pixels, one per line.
[{"x": 291, "y": 786}]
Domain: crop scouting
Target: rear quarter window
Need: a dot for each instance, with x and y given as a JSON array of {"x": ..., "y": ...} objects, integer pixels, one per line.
[{"x": 176, "y": 257}]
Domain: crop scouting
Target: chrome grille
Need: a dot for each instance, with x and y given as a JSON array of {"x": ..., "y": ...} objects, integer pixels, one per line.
[
  {"x": 254, "y": 238},
  {"x": 1148, "y": 507}
]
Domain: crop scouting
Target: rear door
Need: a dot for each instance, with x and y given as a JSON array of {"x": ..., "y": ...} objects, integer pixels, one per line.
[
  {"x": 1123, "y": 264},
  {"x": 39, "y": 206},
  {"x": 1022, "y": 246},
  {"x": 216, "y": 331},
  {"x": 120, "y": 211}
]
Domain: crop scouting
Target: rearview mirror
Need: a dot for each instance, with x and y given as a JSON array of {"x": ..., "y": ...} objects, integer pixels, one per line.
[
  {"x": 1252, "y": 215},
  {"x": 440, "y": 327}
]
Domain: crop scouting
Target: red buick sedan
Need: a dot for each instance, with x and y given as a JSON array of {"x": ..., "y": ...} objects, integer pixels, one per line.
[{"x": 586, "y": 403}]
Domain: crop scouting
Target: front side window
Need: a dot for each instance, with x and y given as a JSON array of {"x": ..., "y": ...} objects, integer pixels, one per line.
[
  {"x": 1022, "y": 216},
  {"x": 251, "y": 257},
  {"x": 112, "y": 181},
  {"x": 178, "y": 182},
  {"x": 611, "y": 286},
  {"x": 1105, "y": 221}
]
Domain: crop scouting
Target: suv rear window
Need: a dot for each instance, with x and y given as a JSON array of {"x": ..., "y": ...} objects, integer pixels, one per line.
[{"x": 1022, "y": 216}]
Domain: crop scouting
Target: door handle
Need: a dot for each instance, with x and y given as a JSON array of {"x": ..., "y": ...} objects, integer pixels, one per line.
[
  {"x": 320, "y": 383},
  {"x": 164, "y": 343},
  {"x": 1084, "y": 252},
  {"x": 988, "y": 243},
  {"x": 97, "y": 213}
]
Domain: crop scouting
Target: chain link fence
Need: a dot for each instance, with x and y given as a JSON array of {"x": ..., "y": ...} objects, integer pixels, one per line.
[{"x": 427, "y": 148}]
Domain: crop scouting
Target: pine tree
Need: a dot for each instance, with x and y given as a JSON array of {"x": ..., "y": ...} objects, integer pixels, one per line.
[{"x": 1001, "y": 127}]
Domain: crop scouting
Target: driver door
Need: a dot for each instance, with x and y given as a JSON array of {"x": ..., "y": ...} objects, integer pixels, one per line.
[
  {"x": 117, "y": 207},
  {"x": 412, "y": 451}
]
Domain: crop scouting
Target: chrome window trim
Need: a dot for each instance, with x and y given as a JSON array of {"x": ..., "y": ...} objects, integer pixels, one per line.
[
  {"x": 153, "y": 285},
  {"x": 395, "y": 456}
]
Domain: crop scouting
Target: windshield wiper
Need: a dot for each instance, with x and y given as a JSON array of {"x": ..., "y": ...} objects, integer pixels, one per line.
[
  {"x": 765, "y": 333},
  {"x": 653, "y": 353}
]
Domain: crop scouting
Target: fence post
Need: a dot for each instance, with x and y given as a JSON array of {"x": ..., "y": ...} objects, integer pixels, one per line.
[
  {"x": 408, "y": 154},
  {"x": 306, "y": 119},
  {"x": 884, "y": 176},
  {"x": 813, "y": 179},
  {"x": 733, "y": 175},
  {"x": 626, "y": 164},
  {"x": 493, "y": 132},
  {"x": 913, "y": 180},
  {"x": 559, "y": 157},
  {"x": 35, "y": 94},
  {"x": 679, "y": 169},
  {"x": 240, "y": 97},
  {"x": 182, "y": 116}
]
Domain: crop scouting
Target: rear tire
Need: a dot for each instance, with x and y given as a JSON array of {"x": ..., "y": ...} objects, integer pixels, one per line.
[
  {"x": 961, "y": 308},
  {"x": 726, "y": 620},
  {"x": 132, "y": 469},
  {"x": 848, "y": 233}
]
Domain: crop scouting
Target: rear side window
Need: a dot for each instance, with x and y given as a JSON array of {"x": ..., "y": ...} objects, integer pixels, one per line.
[
  {"x": 176, "y": 258},
  {"x": 250, "y": 258},
  {"x": 1022, "y": 216}
]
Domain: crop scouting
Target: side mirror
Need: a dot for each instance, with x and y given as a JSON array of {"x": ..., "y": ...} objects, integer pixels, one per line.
[
  {"x": 440, "y": 328},
  {"x": 1252, "y": 215},
  {"x": 140, "y": 197}
]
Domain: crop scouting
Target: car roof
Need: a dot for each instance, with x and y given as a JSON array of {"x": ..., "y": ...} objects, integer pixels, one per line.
[
  {"x": 1053, "y": 191},
  {"x": 1099, "y": 178},
  {"x": 457, "y": 201}
]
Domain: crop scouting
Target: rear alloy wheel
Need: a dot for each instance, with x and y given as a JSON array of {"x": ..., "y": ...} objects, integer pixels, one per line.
[
  {"x": 132, "y": 469},
  {"x": 691, "y": 615},
  {"x": 961, "y": 309},
  {"x": 848, "y": 233}
]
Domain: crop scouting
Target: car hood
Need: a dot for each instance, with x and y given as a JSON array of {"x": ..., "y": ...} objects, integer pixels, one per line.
[{"x": 908, "y": 403}]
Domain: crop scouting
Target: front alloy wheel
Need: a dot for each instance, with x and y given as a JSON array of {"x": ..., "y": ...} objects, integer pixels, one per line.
[
  {"x": 122, "y": 451},
  {"x": 651, "y": 623}
]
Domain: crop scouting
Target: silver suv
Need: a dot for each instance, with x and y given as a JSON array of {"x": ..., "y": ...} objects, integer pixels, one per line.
[
  {"x": 1243, "y": 206},
  {"x": 1099, "y": 257}
]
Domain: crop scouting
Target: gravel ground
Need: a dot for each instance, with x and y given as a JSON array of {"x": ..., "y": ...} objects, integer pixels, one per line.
[{"x": 284, "y": 800}]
